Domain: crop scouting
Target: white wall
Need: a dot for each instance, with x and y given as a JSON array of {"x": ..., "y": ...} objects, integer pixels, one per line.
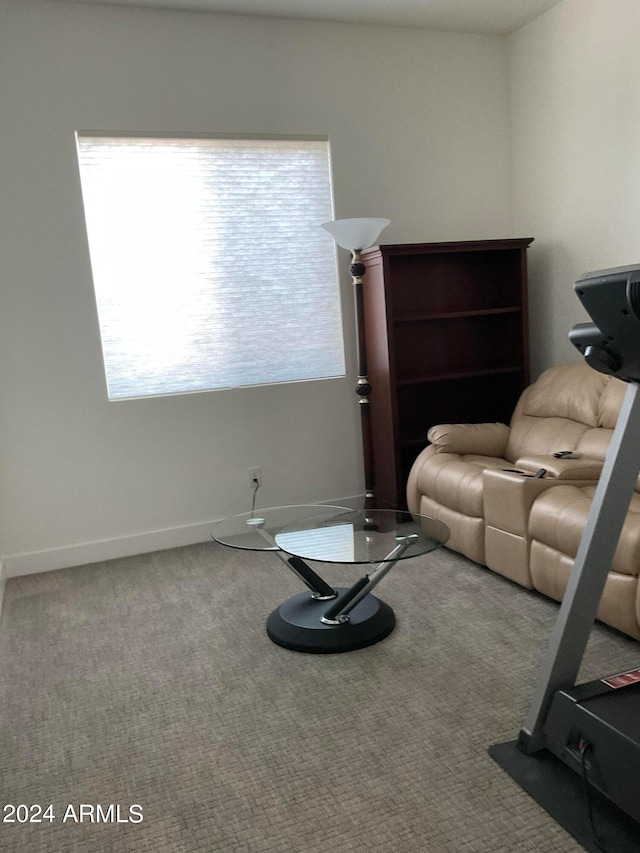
[
  {"x": 574, "y": 95},
  {"x": 418, "y": 125}
]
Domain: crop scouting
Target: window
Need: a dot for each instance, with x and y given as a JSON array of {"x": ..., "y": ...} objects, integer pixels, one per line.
[{"x": 210, "y": 267}]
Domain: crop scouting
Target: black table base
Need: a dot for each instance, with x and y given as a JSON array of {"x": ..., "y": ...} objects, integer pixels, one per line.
[{"x": 296, "y": 625}]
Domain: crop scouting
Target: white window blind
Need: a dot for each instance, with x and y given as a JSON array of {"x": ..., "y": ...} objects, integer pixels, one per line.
[{"x": 210, "y": 267}]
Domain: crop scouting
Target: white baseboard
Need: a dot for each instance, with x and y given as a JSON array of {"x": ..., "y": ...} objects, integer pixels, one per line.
[
  {"x": 111, "y": 549},
  {"x": 3, "y": 582}
]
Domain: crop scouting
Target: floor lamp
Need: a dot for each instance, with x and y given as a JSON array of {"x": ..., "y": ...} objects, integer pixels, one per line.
[{"x": 356, "y": 235}]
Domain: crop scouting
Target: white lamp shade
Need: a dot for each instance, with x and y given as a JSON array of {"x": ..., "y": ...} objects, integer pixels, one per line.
[{"x": 356, "y": 233}]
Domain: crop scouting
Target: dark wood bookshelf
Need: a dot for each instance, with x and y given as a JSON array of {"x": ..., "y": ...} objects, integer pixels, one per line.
[{"x": 447, "y": 340}]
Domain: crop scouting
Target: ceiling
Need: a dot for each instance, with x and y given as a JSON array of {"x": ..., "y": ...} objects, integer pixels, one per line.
[{"x": 481, "y": 16}]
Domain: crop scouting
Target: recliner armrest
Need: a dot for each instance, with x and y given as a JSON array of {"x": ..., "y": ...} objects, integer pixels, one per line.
[
  {"x": 508, "y": 497},
  {"x": 581, "y": 468},
  {"x": 481, "y": 439}
]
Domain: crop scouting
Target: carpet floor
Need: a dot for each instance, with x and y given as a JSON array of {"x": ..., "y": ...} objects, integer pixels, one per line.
[{"x": 149, "y": 681}]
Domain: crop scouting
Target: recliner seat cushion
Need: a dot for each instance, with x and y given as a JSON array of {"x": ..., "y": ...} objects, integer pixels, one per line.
[
  {"x": 455, "y": 481},
  {"x": 559, "y": 515}
]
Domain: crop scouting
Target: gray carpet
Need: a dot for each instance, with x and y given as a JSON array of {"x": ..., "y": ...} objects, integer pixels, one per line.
[{"x": 150, "y": 680}]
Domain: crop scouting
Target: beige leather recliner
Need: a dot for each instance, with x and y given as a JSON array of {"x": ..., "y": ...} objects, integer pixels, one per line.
[{"x": 480, "y": 479}]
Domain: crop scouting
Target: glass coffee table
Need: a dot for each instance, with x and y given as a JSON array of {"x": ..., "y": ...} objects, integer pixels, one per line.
[{"x": 327, "y": 619}]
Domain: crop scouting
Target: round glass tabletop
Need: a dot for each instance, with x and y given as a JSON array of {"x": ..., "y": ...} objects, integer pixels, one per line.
[{"x": 333, "y": 534}]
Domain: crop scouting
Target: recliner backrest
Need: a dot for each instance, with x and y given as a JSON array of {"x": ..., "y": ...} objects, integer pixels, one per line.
[
  {"x": 558, "y": 410},
  {"x": 595, "y": 442}
]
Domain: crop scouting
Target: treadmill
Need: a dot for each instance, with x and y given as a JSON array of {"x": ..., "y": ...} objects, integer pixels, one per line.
[{"x": 592, "y": 729}]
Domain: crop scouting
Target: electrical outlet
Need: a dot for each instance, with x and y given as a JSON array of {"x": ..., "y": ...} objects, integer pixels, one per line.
[{"x": 255, "y": 476}]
